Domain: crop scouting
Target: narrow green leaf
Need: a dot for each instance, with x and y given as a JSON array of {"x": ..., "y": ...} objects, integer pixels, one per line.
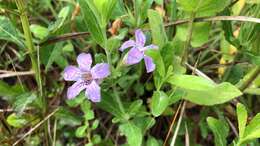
[
  {"x": 220, "y": 131},
  {"x": 252, "y": 130},
  {"x": 242, "y": 119},
  {"x": 159, "y": 103},
  {"x": 92, "y": 20},
  {"x": 157, "y": 28},
  {"x": 81, "y": 131}
]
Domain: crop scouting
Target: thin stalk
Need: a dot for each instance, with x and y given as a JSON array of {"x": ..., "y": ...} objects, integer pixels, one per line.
[
  {"x": 33, "y": 56},
  {"x": 249, "y": 78},
  {"x": 189, "y": 35}
]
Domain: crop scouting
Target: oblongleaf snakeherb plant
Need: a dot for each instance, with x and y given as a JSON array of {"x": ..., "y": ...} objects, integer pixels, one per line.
[{"x": 129, "y": 73}]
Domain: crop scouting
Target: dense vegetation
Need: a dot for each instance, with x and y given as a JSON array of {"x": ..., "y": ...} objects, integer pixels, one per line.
[{"x": 130, "y": 72}]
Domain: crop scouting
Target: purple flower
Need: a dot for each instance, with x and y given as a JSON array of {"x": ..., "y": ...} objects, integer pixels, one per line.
[
  {"x": 86, "y": 77},
  {"x": 137, "y": 51}
]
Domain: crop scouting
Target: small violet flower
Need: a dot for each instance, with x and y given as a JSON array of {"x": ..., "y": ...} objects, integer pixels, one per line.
[
  {"x": 86, "y": 77},
  {"x": 137, "y": 52}
]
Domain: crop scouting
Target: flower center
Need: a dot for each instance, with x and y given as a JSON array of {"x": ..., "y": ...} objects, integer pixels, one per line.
[{"x": 87, "y": 77}]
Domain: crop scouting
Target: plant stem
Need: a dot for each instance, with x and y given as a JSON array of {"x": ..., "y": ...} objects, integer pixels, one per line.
[
  {"x": 189, "y": 36},
  {"x": 33, "y": 55},
  {"x": 249, "y": 78}
]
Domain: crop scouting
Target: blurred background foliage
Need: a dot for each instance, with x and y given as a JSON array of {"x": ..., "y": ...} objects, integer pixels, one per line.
[{"x": 206, "y": 64}]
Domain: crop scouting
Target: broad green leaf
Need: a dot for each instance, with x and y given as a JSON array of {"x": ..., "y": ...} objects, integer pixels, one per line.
[
  {"x": 204, "y": 92},
  {"x": 8, "y": 32},
  {"x": 157, "y": 28},
  {"x": 159, "y": 103},
  {"x": 191, "y": 82},
  {"x": 205, "y": 7},
  {"x": 39, "y": 31},
  {"x": 144, "y": 123},
  {"x": 76, "y": 101},
  {"x": 220, "y": 131},
  {"x": 252, "y": 130},
  {"x": 132, "y": 132},
  {"x": 200, "y": 33},
  {"x": 16, "y": 121},
  {"x": 242, "y": 119},
  {"x": 67, "y": 117},
  {"x": 81, "y": 131},
  {"x": 85, "y": 106},
  {"x": 9, "y": 92},
  {"x": 168, "y": 54},
  {"x": 92, "y": 20},
  {"x": 152, "y": 142},
  {"x": 23, "y": 100},
  {"x": 134, "y": 107},
  {"x": 111, "y": 105}
]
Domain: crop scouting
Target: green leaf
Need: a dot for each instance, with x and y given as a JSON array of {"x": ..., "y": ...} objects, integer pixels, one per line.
[
  {"x": 168, "y": 54},
  {"x": 9, "y": 92},
  {"x": 157, "y": 28},
  {"x": 159, "y": 103},
  {"x": 144, "y": 123},
  {"x": 220, "y": 131},
  {"x": 134, "y": 107},
  {"x": 39, "y": 31},
  {"x": 8, "y": 32},
  {"x": 110, "y": 104},
  {"x": 93, "y": 21},
  {"x": 204, "y": 92},
  {"x": 133, "y": 133},
  {"x": 62, "y": 16},
  {"x": 16, "y": 121},
  {"x": 81, "y": 131},
  {"x": 204, "y": 7},
  {"x": 242, "y": 119},
  {"x": 157, "y": 58},
  {"x": 67, "y": 117},
  {"x": 152, "y": 142},
  {"x": 105, "y": 8},
  {"x": 23, "y": 100},
  {"x": 54, "y": 55},
  {"x": 252, "y": 130},
  {"x": 200, "y": 33}
]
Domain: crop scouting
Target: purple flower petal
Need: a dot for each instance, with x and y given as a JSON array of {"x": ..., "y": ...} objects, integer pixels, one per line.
[
  {"x": 100, "y": 71},
  {"x": 149, "y": 47},
  {"x": 150, "y": 66},
  {"x": 133, "y": 56},
  {"x": 93, "y": 92},
  {"x": 127, "y": 44},
  {"x": 140, "y": 37},
  {"x": 75, "y": 89},
  {"x": 84, "y": 60},
  {"x": 71, "y": 73}
]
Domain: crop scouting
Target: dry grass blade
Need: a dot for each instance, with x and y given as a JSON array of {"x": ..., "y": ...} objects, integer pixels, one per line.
[
  {"x": 36, "y": 126},
  {"x": 12, "y": 74}
]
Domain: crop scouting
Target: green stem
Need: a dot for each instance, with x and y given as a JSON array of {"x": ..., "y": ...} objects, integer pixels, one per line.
[
  {"x": 249, "y": 78},
  {"x": 189, "y": 36},
  {"x": 32, "y": 53}
]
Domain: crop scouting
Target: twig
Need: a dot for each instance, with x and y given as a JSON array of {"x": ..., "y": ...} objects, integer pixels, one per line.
[
  {"x": 36, "y": 126},
  {"x": 172, "y": 123},
  {"x": 177, "y": 22},
  {"x": 178, "y": 124},
  {"x": 11, "y": 74},
  {"x": 198, "y": 72},
  {"x": 232, "y": 127},
  {"x": 187, "y": 137},
  {"x": 64, "y": 37}
]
